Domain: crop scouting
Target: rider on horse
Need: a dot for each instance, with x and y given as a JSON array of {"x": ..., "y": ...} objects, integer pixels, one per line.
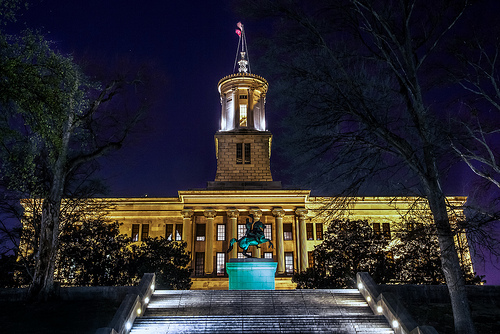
[{"x": 254, "y": 236}]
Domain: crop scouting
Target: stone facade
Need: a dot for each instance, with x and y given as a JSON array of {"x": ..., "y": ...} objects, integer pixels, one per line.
[{"x": 255, "y": 167}]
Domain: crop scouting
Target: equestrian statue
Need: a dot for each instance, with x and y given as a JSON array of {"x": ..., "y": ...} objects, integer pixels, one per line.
[{"x": 254, "y": 236}]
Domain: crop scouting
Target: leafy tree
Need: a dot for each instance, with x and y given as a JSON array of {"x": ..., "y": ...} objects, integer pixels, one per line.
[
  {"x": 349, "y": 246},
  {"x": 168, "y": 259},
  {"x": 357, "y": 77},
  {"x": 95, "y": 253},
  {"x": 416, "y": 256}
]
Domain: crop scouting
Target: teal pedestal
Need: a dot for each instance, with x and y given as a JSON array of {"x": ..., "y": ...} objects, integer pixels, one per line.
[{"x": 251, "y": 274}]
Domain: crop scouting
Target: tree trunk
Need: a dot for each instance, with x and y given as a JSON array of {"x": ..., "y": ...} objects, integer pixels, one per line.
[
  {"x": 42, "y": 287},
  {"x": 450, "y": 262}
]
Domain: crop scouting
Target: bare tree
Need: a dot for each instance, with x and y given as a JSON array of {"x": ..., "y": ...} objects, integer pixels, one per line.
[
  {"x": 55, "y": 122},
  {"x": 355, "y": 76}
]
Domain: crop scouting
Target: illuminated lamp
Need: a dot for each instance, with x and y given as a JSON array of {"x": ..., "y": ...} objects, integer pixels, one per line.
[{"x": 379, "y": 309}]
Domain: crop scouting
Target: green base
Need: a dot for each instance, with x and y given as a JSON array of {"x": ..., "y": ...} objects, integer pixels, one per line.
[{"x": 251, "y": 274}]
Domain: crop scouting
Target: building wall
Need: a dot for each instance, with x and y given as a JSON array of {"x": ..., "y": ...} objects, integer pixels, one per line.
[
  {"x": 259, "y": 167},
  {"x": 190, "y": 210}
]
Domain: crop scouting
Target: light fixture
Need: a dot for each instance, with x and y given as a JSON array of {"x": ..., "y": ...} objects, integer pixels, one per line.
[
  {"x": 379, "y": 309},
  {"x": 146, "y": 300},
  {"x": 395, "y": 324},
  {"x": 139, "y": 311},
  {"x": 368, "y": 299},
  {"x": 360, "y": 286},
  {"x": 128, "y": 325}
]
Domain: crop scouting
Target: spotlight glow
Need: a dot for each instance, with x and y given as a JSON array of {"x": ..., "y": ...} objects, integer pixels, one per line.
[
  {"x": 146, "y": 300},
  {"x": 360, "y": 286},
  {"x": 139, "y": 311},
  {"x": 379, "y": 309},
  {"x": 128, "y": 325},
  {"x": 395, "y": 324}
]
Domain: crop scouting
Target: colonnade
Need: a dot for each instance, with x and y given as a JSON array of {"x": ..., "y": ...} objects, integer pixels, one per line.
[{"x": 232, "y": 215}]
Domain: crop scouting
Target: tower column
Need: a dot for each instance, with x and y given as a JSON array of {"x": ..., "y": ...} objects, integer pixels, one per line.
[
  {"x": 209, "y": 241},
  {"x": 257, "y": 213},
  {"x": 233, "y": 214},
  {"x": 280, "y": 252},
  {"x": 302, "y": 213},
  {"x": 187, "y": 227}
]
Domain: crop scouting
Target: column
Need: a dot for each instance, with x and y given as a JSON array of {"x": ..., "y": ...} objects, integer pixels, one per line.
[
  {"x": 187, "y": 227},
  {"x": 257, "y": 214},
  {"x": 302, "y": 214},
  {"x": 280, "y": 252},
  {"x": 232, "y": 215},
  {"x": 209, "y": 241}
]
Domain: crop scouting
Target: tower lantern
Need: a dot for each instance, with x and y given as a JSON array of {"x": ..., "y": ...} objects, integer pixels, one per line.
[{"x": 243, "y": 144}]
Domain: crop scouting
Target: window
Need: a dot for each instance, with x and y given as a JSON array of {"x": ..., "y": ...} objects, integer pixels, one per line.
[
  {"x": 200, "y": 232},
  {"x": 135, "y": 232},
  {"x": 243, "y": 97},
  {"x": 221, "y": 263},
  {"x": 199, "y": 264},
  {"x": 221, "y": 232},
  {"x": 309, "y": 230},
  {"x": 243, "y": 115},
  {"x": 376, "y": 228},
  {"x": 241, "y": 256},
  {"x": 145, "y": 231},
  {"x": 268, "y": 255},
  {"x": 268, "y": 232},
  {"x": 386, "y": 227},
  {"x": 239, "y": 153},
  {"x": 247, "y": 154},
  {"x": 289, "y": 262},
  {"x": 310, "y": 259},
  {"x": 242, "y": 230},
  {"x": 319, "y": 231},
  {"x": 169, "y": 231},
  {"x": 287, "y": 232},
  {"x": 178, "y": 232}
]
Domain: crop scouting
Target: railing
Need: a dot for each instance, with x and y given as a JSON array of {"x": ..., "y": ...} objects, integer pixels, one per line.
[
  {"x": 390, "y": 307},
  {"x": 132, "y": 306}
]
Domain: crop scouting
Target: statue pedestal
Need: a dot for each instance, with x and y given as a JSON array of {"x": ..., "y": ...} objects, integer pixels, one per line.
[{"x": 251, "y": 274}]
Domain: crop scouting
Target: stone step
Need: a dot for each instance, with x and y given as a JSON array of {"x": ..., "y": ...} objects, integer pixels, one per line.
[
  {"x": 254, "y": 311},
  {"x": 261, "y": 324}
]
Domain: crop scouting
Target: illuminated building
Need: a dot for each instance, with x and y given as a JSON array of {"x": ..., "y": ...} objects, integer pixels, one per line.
[{"x": 208, "y": 218}]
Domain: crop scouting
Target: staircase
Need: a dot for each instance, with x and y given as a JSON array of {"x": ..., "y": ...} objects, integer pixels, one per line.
[{"x": 254, "y": 311}]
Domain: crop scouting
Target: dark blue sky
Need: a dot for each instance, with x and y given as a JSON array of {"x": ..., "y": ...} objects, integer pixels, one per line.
[{"x": 193, "y": 43}]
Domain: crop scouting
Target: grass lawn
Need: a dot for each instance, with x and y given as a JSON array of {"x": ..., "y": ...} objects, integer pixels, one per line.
[{"x": 56, "y": 317}]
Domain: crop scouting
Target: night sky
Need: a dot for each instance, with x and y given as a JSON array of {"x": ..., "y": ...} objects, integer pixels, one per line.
[{"x": 193, "y": 45}]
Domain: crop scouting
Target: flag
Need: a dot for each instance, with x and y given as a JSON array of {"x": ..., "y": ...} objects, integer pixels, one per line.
[{"x": 238, "y": 31}]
